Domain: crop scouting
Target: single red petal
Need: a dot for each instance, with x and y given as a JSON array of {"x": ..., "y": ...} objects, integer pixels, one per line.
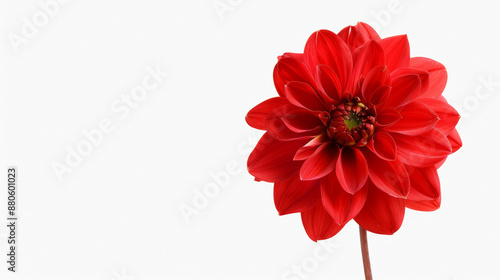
[
  {"x": 405, "y": 89},
  {"x": 289, "y": 69},
  {"x": 437, "y": 75},
  {"x": 368, "y": 30},
  {"x": 439, "y": 164},
  {"x": 382, "y": 213},
  {"x": 279, "y": 130},
  {"x": 423, "y": 150},
  {"x": 293, "y": 195},
  {"x": 428, "y": 205},
  {"x": 325, "y": 47},
  {"x": 383, "y": 145},
  {"x": 455, "y": 141},
  {"x": 389, "y": 176},
  {"x": 418, "y": 118},
  {"x": 341, "y": 206},
  {"x": 422, "y": 74},
  {"x": 303, "y": 95},
  {"x": 377, "y": 77},
  {"x": 309, "y": 149},
  {"x": 388, "y": 117},
  {"x": 318, "y": 224},
  {"x": 365, "y": 58},
  {"x": 298, "y": 56},
  {"x": 424, "y": 183},
  {"x": 256, "y": 117},
  {"x": 379, "y": 96},
  {"x": 279, "y": 84},
  {"x": 352, "y": 169},
  {"x": 272, "y": 160},
  {"x": 302, "y": 120},
  {"x": 321, "y": 162},
  {"x": 329, "y": 82},
  {"x": 397, "y": 50},
  {"x": 448, "y": 116},
  {"x": 353, "y": 37}
]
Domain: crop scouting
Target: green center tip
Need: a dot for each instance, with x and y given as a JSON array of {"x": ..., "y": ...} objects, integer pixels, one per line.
[{"x": 352, "y": 120}]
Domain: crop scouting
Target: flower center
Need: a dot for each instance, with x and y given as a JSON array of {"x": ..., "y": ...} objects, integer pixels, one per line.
[
  {"x": 352, "y": 120},
  {"x": 351, "y": 123}
]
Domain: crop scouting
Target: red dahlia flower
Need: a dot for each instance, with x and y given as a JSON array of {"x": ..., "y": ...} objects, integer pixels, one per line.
[{"x": 358, "y": 132}]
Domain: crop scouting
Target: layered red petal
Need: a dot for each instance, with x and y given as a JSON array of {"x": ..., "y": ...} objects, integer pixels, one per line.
[
  {"x": 381, "y": 213},
  {"x": 256, "y": 117},
  {"x": 353, "y": 37},
  {"x": 329, "y": 82},
  {"x": 423, "y": 150},
  {"x": 341, "y": 205},
  {"x": 303, "y": 95},
  {"x": 383, "y": 145},
  {"x": 318, "y": 224},
  {"x": 321, "y": 162},
  {"x": 389, "y": 176},
  {"x": 325, "y": 47},
  {"x": 424, "y": 183},
  {"x": 352, "y": 169},
  {"x": 405, "y": 89},
  {"x": 290, "y": 69},
  {"x": 293, "y": 195},
  {"x": 365, "y": 58},
  {"x": 397, "y": 49},
  {"x": 417, "y": 118},
  {"x": 272, "y": 160},
  {"x": 437, "y": 75},
  {"x": 448, "y": 116}
]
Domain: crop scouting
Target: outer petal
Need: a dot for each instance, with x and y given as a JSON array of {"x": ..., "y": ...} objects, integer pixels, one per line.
[
  {"x": 321, "y": 162},
  {"x": 382, "y": 213},
  {"x": 352, "y": 169},
  {"x": 293, "y": 195},
  {"x": 437, "y": 75},
  {"x": 318, "y": 224},
  {"x": 455, "y": 141},
  {"x": 353, "y": 37},
  {"x": 448, "y": 116},
  {"x": 272, "y": 160},
  {"x": 303, "y": 95},
  {"x": 397, "y": 49},
  {"x": 383, "y": 145},
  {"x": 422, "y": 74},
  {"x": 417, "y": 118},
  {"x": 341, "y": 206},
  {"x": 325, "y": 47},
  {"x": 365, "y": 58},
  {"x": 389, "y": 176},
  {"x": 424, "y": 184},
  {"x": 289, "y": 69},
  {"x": 368, "y": 30},
  {"x": 256, "y": 117},
  {"x": 405, "y": 89},
  {"x": 429, "y": 205},
  {"x": 423, "y": 150}
]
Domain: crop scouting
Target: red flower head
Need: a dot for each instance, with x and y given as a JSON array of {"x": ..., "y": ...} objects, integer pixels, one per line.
[{"x": 358, "y": 132}]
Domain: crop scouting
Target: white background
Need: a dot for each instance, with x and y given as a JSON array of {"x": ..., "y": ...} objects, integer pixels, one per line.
[{"x": 117, "y": 215}]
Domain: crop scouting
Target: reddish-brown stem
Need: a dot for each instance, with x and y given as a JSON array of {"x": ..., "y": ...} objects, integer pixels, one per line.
[{"x": 364, "y": 251}]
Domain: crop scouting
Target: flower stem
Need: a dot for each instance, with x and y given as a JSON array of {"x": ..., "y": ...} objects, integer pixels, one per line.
[{"x": 364, "y": 251}]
